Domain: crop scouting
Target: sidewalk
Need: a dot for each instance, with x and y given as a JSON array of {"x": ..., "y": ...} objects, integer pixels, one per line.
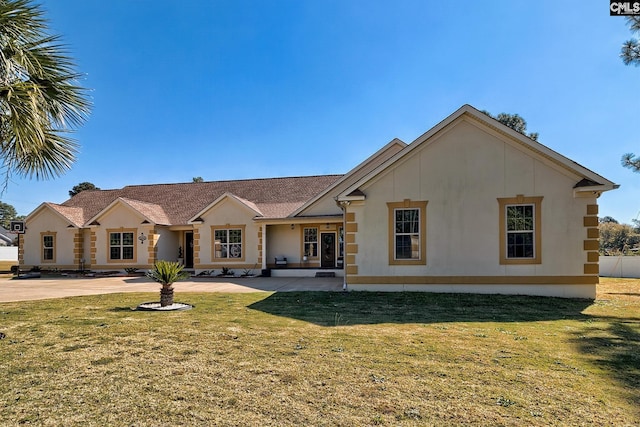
[{"x": 44, "y": 288}]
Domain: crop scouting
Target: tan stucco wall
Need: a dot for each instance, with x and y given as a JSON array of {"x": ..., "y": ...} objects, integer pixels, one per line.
[
  {"x": 48, "y": 221},
  {"x": 167, "y": 243},
  {"x": 561, "y": 291},
  {"x": 461, "y": 173},
  {"x": 283, "y": 241},
  {"x": 121, "y": 217},
  {"x": 229, "y": 212}
]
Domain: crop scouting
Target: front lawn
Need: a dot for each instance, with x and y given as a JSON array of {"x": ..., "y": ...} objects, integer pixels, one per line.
[{"x": 312, "y": 359}]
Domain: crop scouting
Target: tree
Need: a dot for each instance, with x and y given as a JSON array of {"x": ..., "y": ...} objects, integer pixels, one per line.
[
  {"x": 7, "y": 214},
  {"x": 617, "y": 239},
  {"x": 515, "y": 122},
  {"x": 82, "y": 187},
  {"x": 40, "y": 100},
  {"x": 198, "y": 179},
  {"x": 630, "y": 52},
  {"x": 167, "y": 273},
  {"x": 631, "y": 162},
  {"x": 607, "y": 219}
]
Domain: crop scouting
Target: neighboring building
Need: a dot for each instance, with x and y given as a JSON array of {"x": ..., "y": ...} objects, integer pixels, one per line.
[
  {"x": 6, "y": 238},
  {"x": 470, "y": 206}
]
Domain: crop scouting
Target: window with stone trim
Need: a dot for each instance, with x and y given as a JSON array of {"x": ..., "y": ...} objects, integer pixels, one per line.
[
  {"x": 228, "y": 242},
  {"x": 121, "y": 245},
  {"x": 48, "y": 247},
  {"x": 407, "y": 232},
  {"x": 520, "y": 230}
]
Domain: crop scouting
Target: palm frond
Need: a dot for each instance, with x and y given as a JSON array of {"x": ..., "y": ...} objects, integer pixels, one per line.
[
  {"x": 41, "y": 100},
  {"x": 167, "y": 272}
]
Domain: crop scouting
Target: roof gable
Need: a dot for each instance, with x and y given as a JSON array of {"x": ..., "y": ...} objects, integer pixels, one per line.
[
  {"x": 150, "y": 212},
  {"x": 467, "y": 112},
  {"x": 73, "y": 215},
  {"x": 249, "y": 206}
]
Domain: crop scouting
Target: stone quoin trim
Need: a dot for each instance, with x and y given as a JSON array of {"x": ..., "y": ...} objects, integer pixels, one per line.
[{"x": 592, "y": 243}]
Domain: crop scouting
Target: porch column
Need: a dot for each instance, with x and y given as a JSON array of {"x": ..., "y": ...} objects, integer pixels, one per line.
[{"x": 263, "y": 245}]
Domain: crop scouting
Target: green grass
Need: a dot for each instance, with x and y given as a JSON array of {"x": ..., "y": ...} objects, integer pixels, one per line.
[{"x": 324, "y": 359}]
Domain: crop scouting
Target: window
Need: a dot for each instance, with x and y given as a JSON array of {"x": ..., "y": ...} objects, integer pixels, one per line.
[
  {"x": 520, "y": 241},
  {"x": 311, "y": 242},
  {"x": 520, "y": 230},
  {"x": 121, "y": 246},
  {"x": 227, "y": 243},
  {"x": 407, "y": 237},
  {"x": 407, "y": 233},
  {"x": 48, "y": 247}
]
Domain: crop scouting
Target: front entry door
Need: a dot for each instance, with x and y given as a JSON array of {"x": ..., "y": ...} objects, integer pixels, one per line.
[
  {"x": 328, "y": 250},
  {"x": 188, "y": 242}
]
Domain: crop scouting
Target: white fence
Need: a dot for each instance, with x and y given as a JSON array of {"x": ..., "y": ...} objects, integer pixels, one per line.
[
  {"x": 9, "y": 253},
  {"x": 620, "y": 266}
]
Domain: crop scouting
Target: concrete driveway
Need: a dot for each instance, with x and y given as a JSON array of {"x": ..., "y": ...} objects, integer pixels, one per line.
[{"x": 44, "y": 288}]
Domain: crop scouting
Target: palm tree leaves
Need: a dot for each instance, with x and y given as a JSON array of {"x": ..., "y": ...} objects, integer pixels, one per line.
[
  {"x": 167, "y": 272},
  {"x": 40, "y": 99},
  {"x": 21, "y": 21}
]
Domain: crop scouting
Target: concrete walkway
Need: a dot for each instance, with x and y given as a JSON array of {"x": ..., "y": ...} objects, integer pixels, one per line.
[{"x": 44, "y": 288}]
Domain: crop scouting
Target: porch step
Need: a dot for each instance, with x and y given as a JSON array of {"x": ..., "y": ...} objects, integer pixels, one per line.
[{"x": 325, "y": 274}]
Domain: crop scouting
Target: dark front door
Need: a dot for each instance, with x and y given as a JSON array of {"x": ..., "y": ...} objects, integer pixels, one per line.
[
  {"x": 188, "y": 253},
  {"x": 328, "y": 250}
]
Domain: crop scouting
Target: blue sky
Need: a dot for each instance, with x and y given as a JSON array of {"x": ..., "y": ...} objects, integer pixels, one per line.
[{"x": 248, "y": 89}]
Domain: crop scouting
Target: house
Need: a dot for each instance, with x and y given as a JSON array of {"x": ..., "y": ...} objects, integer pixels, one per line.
[
  {"x": 469, "y": 206},
  {"x": 6, "y": 238}
]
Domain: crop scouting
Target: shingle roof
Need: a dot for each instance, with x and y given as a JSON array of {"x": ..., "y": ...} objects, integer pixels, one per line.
[
  {"x": 150, "y": 210},
  {"x": 176, "y": 204},
  {"x": 73, "y": 213},
  {"x": 6, "y": 238}
]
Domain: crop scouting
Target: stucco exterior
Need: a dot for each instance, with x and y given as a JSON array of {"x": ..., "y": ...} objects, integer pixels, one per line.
[
  {"x": 44, "y": 223},
  {"x": 229, "y": 214},
  {"x": 120, "y": 218},
  {"x": 460, "y": 173},
  {"x": 456, "y": 187},
  {"x": 165, "y": 243}
]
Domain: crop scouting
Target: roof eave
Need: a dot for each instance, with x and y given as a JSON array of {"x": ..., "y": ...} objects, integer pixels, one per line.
[
  {"x": 300, "y": 219},
  {"x": 594, "y": 190},
  {"x": 341, "y": 199}
]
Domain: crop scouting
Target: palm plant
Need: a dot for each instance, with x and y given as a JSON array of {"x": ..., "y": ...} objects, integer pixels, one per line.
[
  {"x": 40, "y": 101},
  {"x": 167, "y": 273}
]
